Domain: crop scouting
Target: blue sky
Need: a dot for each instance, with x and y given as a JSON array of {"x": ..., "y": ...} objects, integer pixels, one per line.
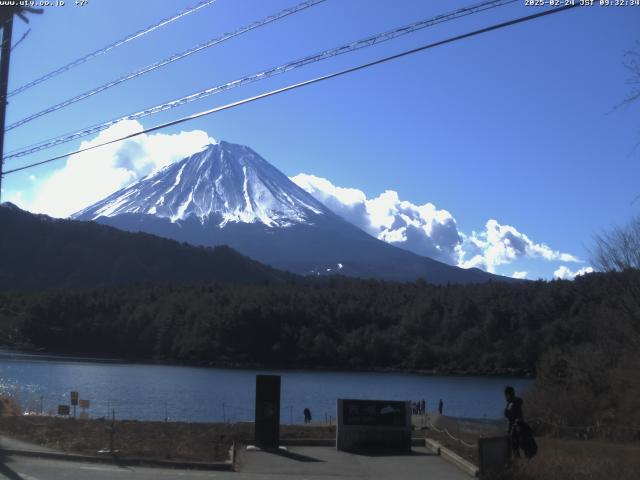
[{"x": 516, "y": 125}]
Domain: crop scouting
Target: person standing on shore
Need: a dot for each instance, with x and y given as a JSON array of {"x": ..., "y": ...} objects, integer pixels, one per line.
[
  {"x": 520, "y": 433},
  {"x": 440, "y": 406},
  {"x": 307, "y": 415}
]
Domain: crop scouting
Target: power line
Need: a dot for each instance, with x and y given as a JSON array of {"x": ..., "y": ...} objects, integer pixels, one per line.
[
  {"x": 24, "y": 35},
  {"x": 112, "y": 46},
  {"x": 379, "y": 38},
  {"x": 307, "y": 82},
  {"x": 346, "y": 48},
  {"x": 167, "y": 61}
]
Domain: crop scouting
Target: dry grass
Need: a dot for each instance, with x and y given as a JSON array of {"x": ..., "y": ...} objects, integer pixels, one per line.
[
  {"x": 9, "y": 406},
  {"x": 158, "y": 440},
  {"x": 560, "y": 459}
]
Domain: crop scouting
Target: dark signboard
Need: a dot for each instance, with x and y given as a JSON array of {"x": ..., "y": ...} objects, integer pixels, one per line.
[
  {"x": 374, "y": 413},
  {"x": 64, "y": 410},
  {"x": 267, "y": 426},
  {"x": 74, "y": 398}
]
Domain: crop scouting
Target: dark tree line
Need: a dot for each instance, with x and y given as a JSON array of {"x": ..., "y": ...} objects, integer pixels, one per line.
[
  {"x": 41, "y": 252},
  {"x": 341, "y": 323}
]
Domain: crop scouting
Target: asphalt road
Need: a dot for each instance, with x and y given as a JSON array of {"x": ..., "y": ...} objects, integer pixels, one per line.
[
  {"x": 27, "y": 468},
  {"x": 327, "y": 463},
  {"x": 310, "y": 463}
]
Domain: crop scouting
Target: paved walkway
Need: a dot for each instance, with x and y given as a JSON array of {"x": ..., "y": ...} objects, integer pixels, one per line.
[
  {"x": 13, "y": 444},
  {"x": 310, "y": 463},
  {"x": 328, "y": 463},
  {"x": 24, "y": 468}
]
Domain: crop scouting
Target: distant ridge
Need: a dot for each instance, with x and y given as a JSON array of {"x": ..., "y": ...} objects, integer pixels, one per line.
[{"x": 40, "y": 252}]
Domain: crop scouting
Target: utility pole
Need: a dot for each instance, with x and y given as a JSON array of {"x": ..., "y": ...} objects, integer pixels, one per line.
[
  {"x": 6, "y": 19},
  {"x": 7, "y": 31}
]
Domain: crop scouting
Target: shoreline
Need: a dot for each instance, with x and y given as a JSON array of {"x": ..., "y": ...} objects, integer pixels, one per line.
[{"x": 83, "y": 357}]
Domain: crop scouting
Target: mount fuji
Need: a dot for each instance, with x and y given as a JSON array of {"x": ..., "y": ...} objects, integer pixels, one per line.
[{"x": 227, "y": 194}]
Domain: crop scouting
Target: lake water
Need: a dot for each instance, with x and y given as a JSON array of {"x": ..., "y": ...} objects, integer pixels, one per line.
[{"x": 153, "y": 392}]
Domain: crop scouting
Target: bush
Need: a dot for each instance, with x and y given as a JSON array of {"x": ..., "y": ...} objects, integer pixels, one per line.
[{"x": 9, "y": 406}]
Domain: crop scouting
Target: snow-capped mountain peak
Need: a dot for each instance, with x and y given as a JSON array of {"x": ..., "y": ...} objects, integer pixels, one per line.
[
  {"x": 227, "y": 194},
  {"x": 224, "y": 183}
]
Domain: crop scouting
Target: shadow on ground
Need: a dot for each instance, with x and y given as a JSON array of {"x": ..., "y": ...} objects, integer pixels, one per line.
[
  {"x": 386, "y": 453},
  {"x": 6, "y": 470},
  {"x": 294, "y": 456}
]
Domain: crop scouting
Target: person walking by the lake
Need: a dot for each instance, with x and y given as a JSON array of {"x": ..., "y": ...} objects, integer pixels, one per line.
[
  {"x": 307, "y": 415},
  {"x": 423, "y": 406},
  {"x": 520, "y": 433},
  {"x": 440, "y": 406}
]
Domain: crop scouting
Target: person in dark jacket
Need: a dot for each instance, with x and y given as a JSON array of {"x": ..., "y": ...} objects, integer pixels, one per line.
[
  {"x": 513, "y": 412},
  {"x": 520, "y": 433}
]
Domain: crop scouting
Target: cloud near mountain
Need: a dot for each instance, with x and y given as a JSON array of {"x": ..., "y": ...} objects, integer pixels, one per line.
[
  {"x": 422, "y": 229},
  {"x": 502, "y": 244},
  {"x": 426, "y": 230},
  {"x": 90, "y": 176},
  {"x": 565, "y": 273}
]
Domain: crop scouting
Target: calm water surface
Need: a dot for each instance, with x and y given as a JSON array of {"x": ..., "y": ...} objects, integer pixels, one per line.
[{"x": 153, "y": 392}]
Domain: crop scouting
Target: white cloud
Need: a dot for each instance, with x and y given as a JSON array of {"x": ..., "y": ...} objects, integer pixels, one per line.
[
  {"x": 90, "y": 176},
  {"x": 426, "y": 230},
  {"x": 502, "y": 244},
  {"x": 520, "y": 275},
  {"x": 349, "y": 203},
  {"x": 564, "y": 273},
  {"x": 422, "y": 229}
]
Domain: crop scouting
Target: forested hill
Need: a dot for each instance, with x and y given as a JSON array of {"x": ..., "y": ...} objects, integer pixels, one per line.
[
  {"x": 40, "y": 252},
  {"x": 492, "y": 328}
]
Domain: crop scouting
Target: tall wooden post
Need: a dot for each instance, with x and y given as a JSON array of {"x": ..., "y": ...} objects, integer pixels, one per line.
[{"x": 7, "y": 31}]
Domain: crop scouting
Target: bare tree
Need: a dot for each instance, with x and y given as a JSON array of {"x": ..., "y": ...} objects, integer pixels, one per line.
[
  {"x": 632, "y": 63},
  {"x": 618, "y": 249}
]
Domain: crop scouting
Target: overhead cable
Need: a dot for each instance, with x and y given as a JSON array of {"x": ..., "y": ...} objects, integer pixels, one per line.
[
  {"x": 112, "y": 46},
  {"x": 166, "y": 61},
  {"x": 305, "y": 83},
  {"x": 346, "y": 48},
  {"x": 24, "y": 35}
]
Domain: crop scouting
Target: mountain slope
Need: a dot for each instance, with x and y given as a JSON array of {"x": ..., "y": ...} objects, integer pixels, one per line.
[
  {"x": 228, "y": 194},
  {"x": 225, "y": 182},
  {"x": 42, "y": 252}
]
